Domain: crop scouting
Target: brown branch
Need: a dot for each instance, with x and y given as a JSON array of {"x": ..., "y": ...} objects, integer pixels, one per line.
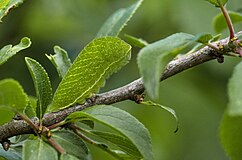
[{"x": 127, "y": 92}]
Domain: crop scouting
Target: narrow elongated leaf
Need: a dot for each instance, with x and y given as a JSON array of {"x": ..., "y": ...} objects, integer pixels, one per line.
[
  {"x": 72, "y": 144},
  {"x": 12, "y": 99},
  {"x": 153, "y": 58},
  {"x": 60, "y": 60},
  {"x": 42, "y": 86},
  {"x": 219, "y": 23},
  {"x": 38, "y": 150},
  {"x": 7, "y": 5},
  {"x": 215, "y": 2},
  {"x": 122, "y": 142},
  {"x": 116, "y": 22},
  {"x": 135, "y": 41},
  {"x": 168, "y": 109},
  {"x": 9, "y": 50},
  {"x": 98, "y": 60},
  {"x": 231, "y": 128},
  {"x": 123, "y": 123},
  {"x": 12, "y": 95}
]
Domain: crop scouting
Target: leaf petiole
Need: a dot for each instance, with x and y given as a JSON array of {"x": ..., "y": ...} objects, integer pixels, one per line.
[
  {"x": 29, "y": 121},
  {"x": 228, "y": 20}
]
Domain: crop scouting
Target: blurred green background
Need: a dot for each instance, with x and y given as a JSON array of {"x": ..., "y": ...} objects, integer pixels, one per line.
[{"x": 198, "y": 95}]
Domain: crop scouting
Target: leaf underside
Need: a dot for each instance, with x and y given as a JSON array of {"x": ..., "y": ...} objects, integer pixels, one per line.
[
  {"x": 38, "y": 150},
  {"x": 60, "y": 60},
  {"x": 122, "y": 122},
  {"x": 120, "y": 141},
  {"x": 153, "y": 58},
  {"x": 96, "y": 62},
  {"x": 72, "y": 144}
]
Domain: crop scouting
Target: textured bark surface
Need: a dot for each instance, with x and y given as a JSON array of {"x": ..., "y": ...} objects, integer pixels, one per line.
[{"x": 127, "y": 92}]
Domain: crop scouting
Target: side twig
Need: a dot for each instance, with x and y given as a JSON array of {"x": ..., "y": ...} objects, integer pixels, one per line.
[{"x": 127, "y": 92}]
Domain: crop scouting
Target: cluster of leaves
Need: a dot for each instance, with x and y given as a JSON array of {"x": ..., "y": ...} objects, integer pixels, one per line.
[{"x": 102, "y": 57}]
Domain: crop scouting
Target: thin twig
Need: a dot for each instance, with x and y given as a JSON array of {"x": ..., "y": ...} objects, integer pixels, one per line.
[{"x": 127, "y": 92}]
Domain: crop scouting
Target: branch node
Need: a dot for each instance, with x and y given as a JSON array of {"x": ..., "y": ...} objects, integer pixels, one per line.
[
  {"x": 137, "y": 98},
  {"x": 6, "y": 144}
]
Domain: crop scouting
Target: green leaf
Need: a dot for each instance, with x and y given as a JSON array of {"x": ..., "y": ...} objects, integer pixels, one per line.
[
  {"x": 123, "y": 123},
  {"x": 116, "y": 22},
  {"x": 9, "y": 50},
  {"x": 6, "y": 115},
  {"x": 60, "y": 60},
  {"x": 216, "y": 37},
  {"x": 12, "y": 99},
  {"x": 42, "y": 86},
  {"x": 235, "y": 92},
  {"x": 153, "y": 58},
  {"x": 3, "y": 3},
  {"x": 68, "y": 157},
  {"x": 38, "y": 150},
  {"x": 219, "y": 23},
  {"x": 168, "y": 109},
  {"x": 11, "y": 154},
  {"x": 71, "y": 143},
  {"x": 122, "y": 142},
  {"x": 203, "y": 38},
  {"x": 231, "y": 128},
  {"x": 7, "y": 5},
  {"x": 231, "y": 135},
  {"x": 89, "y": 123},
  {"x": 97, "y": 61},
  {"x": 31, "y": 107},
  {"x": 135, "y": 41},
  {"x": 12, "y": 95},
  {"x": 216, "y": 3}
]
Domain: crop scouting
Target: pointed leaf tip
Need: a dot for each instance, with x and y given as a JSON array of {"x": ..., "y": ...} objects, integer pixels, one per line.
[
  {"x": 116, "y": 22},
  {"x": 42, "y": 86},
  {"x": 60, "y": 60}
]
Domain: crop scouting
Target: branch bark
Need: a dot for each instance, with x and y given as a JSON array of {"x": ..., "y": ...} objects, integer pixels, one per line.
[{"x": 127, "y": 92}]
